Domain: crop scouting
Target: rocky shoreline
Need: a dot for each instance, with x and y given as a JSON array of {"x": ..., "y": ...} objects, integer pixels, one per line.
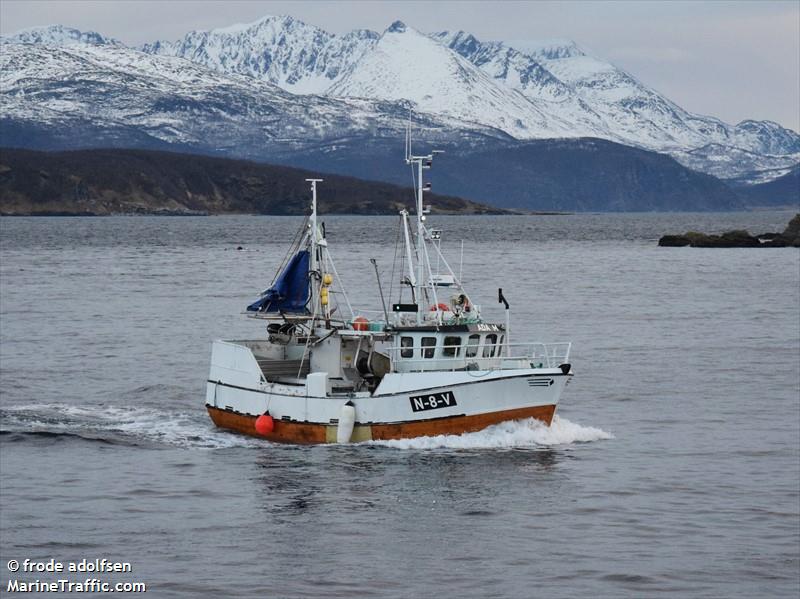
[{"x": 790, "y": 237}]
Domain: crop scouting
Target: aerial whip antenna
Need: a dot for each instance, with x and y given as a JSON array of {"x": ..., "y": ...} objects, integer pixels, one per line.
[
  {"x": 408, "y": 138},
  {"x": 380, "y": 288}
]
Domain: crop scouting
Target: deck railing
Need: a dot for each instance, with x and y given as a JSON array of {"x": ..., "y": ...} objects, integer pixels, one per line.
[{"x": 520, "y": 355}]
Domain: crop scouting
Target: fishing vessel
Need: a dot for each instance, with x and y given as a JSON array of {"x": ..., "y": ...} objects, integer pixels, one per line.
[{"x": 428, "y": 364}]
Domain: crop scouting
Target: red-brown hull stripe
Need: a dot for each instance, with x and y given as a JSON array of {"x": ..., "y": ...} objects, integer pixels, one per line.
[{"x": 305, "y": 432}]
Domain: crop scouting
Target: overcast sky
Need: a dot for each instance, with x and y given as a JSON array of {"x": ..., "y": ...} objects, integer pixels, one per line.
[{"x": 732, "y": 60}]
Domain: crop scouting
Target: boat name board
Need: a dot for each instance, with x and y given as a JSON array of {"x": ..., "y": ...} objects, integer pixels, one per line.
[{"x": 432, "y": 401}]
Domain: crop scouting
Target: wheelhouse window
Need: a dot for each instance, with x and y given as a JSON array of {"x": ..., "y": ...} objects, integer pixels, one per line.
[
  {"x": 406, "y": 347},
  {"x": 488, "y": 345},
  {"x": 471, "y": 350},
  {"x": 452, "y": 347},
  {"x": 428, "y": 347}
]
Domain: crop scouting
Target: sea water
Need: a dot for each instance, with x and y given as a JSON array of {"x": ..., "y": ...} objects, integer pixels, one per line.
[{"x": 672, "y": 467}]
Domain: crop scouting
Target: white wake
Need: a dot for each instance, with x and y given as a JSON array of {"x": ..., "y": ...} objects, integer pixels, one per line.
[
  {"x": 173, "y": 428},
  {"x": 194, "y": 430},
  {"x": 507, "y": 435}
]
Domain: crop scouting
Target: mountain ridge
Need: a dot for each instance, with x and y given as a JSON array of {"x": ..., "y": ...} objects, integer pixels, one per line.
[
  {"x": 107, "y": 182},
  {"x": 450, "y": 85},
  {"x": 66, "y": 89},
  {"x": 305, "y": 59},
  {"x": 783, "y": 192},
  {"x": 565, "y": 83}
]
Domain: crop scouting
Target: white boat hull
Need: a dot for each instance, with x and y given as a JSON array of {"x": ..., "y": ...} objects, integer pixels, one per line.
[{"x": 403, "y": 405}]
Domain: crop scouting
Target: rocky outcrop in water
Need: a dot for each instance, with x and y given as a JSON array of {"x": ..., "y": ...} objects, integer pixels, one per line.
[{"x": 736, "y": 239}]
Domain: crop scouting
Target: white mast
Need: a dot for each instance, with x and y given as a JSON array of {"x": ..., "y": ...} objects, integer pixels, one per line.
[
  {"x": 421, "y": 162},
  {"x": 314, "y": 240},
  {"x": 420, "y": 241},
  {"x": 411, "y": 277}
]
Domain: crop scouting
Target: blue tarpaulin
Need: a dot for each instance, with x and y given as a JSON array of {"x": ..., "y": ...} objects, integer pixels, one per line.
[{"x": 289, "y": 293}]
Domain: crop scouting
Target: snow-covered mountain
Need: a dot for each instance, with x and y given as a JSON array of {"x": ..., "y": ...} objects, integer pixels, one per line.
[
  {"x": 360, "y": 83},
  {"x": 736, "y": 164},
  {"x": 56, "y": 97},
  {"x": 407, "y": 65},
  {"x": 400, "y": 63},
  {"x": 304, "y": 59},
  {"x": 59, "y": 35},
  {"x": 87, "y": 95},
  {"x": 298, "y": 57},
  {"x": 509, "y": 65},
  {"x": 526, "y": 74},
  {"x": 530, "y": 90},
  {"x": 633, "y": 112}
]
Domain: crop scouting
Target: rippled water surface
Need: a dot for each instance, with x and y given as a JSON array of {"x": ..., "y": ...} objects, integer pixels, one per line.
[{"x": 673, "y": 467}]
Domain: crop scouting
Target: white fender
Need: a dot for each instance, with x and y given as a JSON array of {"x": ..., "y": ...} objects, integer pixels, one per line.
[{"x": 347, "y": 420}]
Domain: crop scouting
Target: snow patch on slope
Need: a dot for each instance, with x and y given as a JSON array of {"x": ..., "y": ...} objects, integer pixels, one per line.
[
  {"x": 407, "y": 65},
  {"x": 298, "y": 57},
  {"x": 59, "y": 35}
]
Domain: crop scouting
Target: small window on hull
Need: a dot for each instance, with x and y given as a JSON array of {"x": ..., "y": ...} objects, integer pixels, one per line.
[
  {"x": 428, "y": 347},
  {"x": 406, "y": 347}
]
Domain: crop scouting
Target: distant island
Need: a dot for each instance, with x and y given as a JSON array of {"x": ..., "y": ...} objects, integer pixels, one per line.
[
  {"x": 790, "y": 237},
  {"x": 108, "y": 182}
]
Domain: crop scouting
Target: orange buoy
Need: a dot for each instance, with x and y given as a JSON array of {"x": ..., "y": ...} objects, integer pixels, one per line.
[
  {"x": 264, "y": 424},
  {"x": 360, "y": 324},
  {"x": 440, "y": 306}
]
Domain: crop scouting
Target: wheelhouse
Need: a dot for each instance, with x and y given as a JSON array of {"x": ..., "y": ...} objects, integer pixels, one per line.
[{"x": 469, "y": 348}]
